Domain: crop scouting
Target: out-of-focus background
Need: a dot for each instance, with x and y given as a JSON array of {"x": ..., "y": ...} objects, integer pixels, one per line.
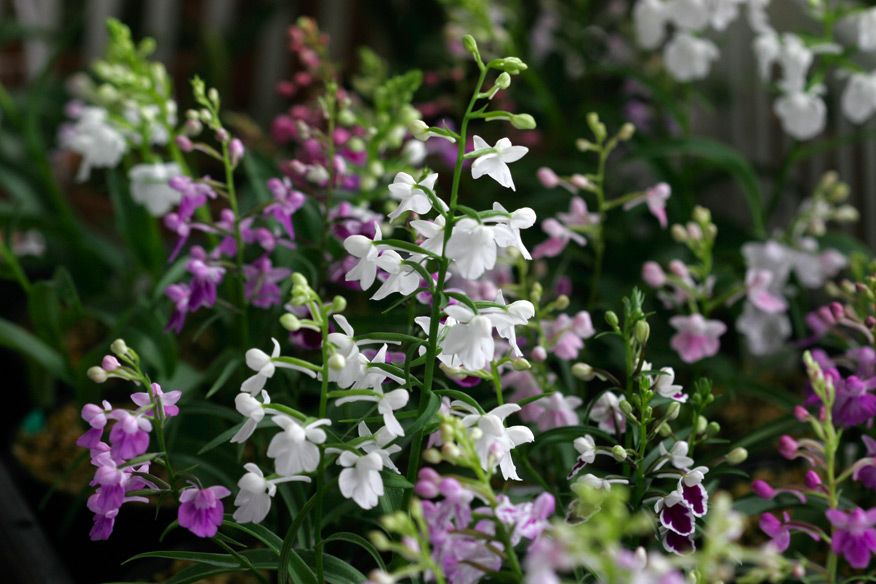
[{"x": 201, "y": 36}]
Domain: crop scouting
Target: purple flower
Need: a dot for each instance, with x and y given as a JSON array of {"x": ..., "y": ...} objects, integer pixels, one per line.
[
  {"x": 854, "y": 535},
  {"x": 697, "y": 338},
  {"x": 567, "y": 227},
  {"x": 779, "y": 530},
  {"x": 201, "y": 510},
  {"x": 205, "y": 279},
  {"x": 854, "y": 403},
  {"x": 103, "y": 525},
  {"x": 566, "y": 335},
  {"x": 675, "y": 513},
  {"x": 179, "y": 294},
  {"x": 129, "y": 436},
  {"x": 677, "y": 543},
  {"x": 865, "y": 471},
  {"x": 261, "y": 282},
  {"x": 528, "y": 519},
  {"x": 286, "y": 201},
  {"x": 167, "y": 400}
]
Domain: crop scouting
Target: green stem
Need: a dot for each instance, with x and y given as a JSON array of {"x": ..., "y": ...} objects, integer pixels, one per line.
[
  {"x": 14, "y": 265},
  {"x": 158, "y": 417},
  {"x": 243, "y": 322},
  {"x": 320, "y": 474},
  {"x": 497, "y": 383},
  {"x": 599, "y": 239},
  {"x": 437, "y": 297}
]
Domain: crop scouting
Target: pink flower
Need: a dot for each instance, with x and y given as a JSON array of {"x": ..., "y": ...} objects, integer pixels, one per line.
[
  {"x": 854, "y": 536},
  {"x": 760, "y": 295},
  {"x": 653, "y": 274},
  {"x": 129, "y": 436},
  {"x": 167, "y": 400},
  {"x": 201, "y": 510},
  {"x": 565, "y": 228},
  {"x": 655, "y": 198},
  {"x": 566, "y": 335},
  {"x": 697, "y": 338},
  {"x": 557, "y": 411}
]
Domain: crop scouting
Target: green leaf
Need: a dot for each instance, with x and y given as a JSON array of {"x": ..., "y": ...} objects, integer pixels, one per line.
[
  {"x": 461, "y": 396},
  {"x": 260, "y": 532},
  {"x": 336, "y": 570},
  {"x": 18, "y": 339},
  {"x": 210, "y": 559},
  {"x": 223, "y": 377},
  {"x": 300, "y": 570},
  {"x": 394, "y": 480},
  {"x": 358, "y": 540}
]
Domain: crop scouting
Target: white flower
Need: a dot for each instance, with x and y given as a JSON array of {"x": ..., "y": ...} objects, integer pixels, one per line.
[
  {"x": 507, "y": 230},
  {"x": 387, "y": 403},
  {"x": 764, "y": 332},
  {"x": 405, "y": 280},
  {"x": 360, "y": 480},
  {"x": 295, "y": 449},
  {"x": 650, "y": 18},
  {"x": 472, "y": 247},
  {"x": 690, "y": 15},
  {"x": 370, "y": 257},
  {"x": 803, "y": 114},
  {"x": 354, "y": 363},
  {"x": 723, "y": 12},
  {"x": 595, "y": 482},
  {"x": 866, "y": 22},
  {"x": 432, "y": 233},
  {"x": 253, "y": 501},
  {"x": 265, "y": 365},
  {"x": 99, "y": 143},
  {"x": 414, "y": 152},
  {"x": 251, "y": 409},
  {"x": 664, "y": 384},
  {"x": 859, "y": 97},
  {"x": 149, "y": 186},
  {"x": 380, "y": 444},
  {"x": 495, "y": 164},
  {"x": 410, "y": 193},
  {"x": 766, "y": 50},
  {"x": 468, "y": 340},
  {"x": 495, "y": 442},
  {"x": 688, "y": 57},
  {"x": 586, "y": 447},
  {"x": 795, "y": 58},
  {"x": 516, "y": 313},
  {"x": 606, "y": 412},
  {"x": 677, "y": 456},
  {"x": 694, "y": 476}
]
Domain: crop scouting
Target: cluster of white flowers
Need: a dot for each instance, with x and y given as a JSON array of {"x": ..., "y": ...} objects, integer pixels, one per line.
[{"x": 687, "y": 55}]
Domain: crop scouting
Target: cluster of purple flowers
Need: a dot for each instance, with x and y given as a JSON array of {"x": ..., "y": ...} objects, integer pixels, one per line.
[{"x": 206, "y": 269}]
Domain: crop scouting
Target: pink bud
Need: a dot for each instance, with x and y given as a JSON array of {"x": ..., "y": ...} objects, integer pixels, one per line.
[
  {"x": 870, "y": 322},
  {"x": 110, "y": 363},
  {"x": 678, "y": 268},
  {"x": 451, "y": 488},
  {"x": 538, "y": 353},
  {"x": 184, "y": 143},
  {"x": 548, "y": 177},
  {"x": 235, "y": 151},
  {"x": 812, "y": 480},
  {"x": 826, "y": 315},
  {"x": 787, "y": 447},
  {"x": 426, "y": 489},
  {"x": 580, "y": 181},
  {"x": 801, "y": 413},
  {"x": 762, "y": 489},
  {"x": 837, "y": 310},
  {"x": 222, "y": 135},
  {"x": 653, "y": 274}
]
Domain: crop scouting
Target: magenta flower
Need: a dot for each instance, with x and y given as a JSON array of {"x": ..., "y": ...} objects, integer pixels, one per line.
[
  {"x": 286, "y": 202},
  {"x": 779, "y": 530},
  {"x": 201, "y": 510},
  {"x": 103, "y": 525},
  {"x": 129, "y": 436},
  {"x": 865, "y": 471},
  {"x": 854, "y": 535},
  {"x": 653, "y": 274},
  {"x": 167, "y": 400},
  {"x": 566, "y": 335},
  {"x": 697, "y": 338},
  {"x": 261, "y": 282},
  {"x": 179, "y": 294},
  {"x": 206, "y": 277},
  {"x": 854, "y": 403},
  {"x": 565, "y": 228}
]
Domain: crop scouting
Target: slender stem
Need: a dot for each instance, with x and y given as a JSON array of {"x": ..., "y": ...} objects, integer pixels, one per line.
[
  {"x": 158, "y": 416},
  {"x": 438, "y": 298},
  {"x": 599, "y": 239},
  {"x": 320, "y": 474},
  {"x": 243, "y": 322},
  {"x": 331, "y": 114},
  {"x": 11, "y": 260},
  {"x": 497, "y": 383}
]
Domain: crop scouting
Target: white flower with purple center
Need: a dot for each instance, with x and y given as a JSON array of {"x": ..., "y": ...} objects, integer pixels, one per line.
[
  {"x": 690, "y": 485},
  {"x": 675, "y": 514}
]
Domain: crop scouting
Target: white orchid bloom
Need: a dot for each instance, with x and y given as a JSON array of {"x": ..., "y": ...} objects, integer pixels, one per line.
[
  {"x": 265, "y": 365},
  {"x": 495, "y": 164},
  {"x": 387, "y": 404},
  {"x": 410, "y": 194},
  {"x": 360, "y": 480},
  {"x": 370, "y": 258},
  {"x": 517, "y": 313},
  {"x": 507, "y": 230},
  {"x": 495, "y": 441},
  {"x": 677, "y": 456},
  {"x": 354, "y": 362},
  {"x": 468, "y": 339},
  {"x": 472, "y": 247},
  {"x": 253, "y": 501},
  {"x": 664, "y": 384},
  {"x": 689, "y": 58},
  {"x": 149, "y": 186},
  {"x": 380, "y": 444},
  {"x": 432, "y": 233},
  {"x": 295, "y": 449},
  {"x": 251, "y": 409},
  {"x": 650, "y": 18},
  {"x": 99, "y": 143},
  {"x": 405, "y": 280}
]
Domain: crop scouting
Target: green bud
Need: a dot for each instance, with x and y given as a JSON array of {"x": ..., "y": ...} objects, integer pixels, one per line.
[
  {"x": 701, "y": 425},
  {"x": 523, "y": 121},
  {"x": 713, "y": 428},
  {"x": 337, "y": 362},
  {"x": 611, "y": 319},
  {"x": 379, "y": 540},
  {"x": 470, "y": 44},
  {"x": 356, "y": 144},
  {"x": 585, "y": 145},
  {"x": 626, "y": 407},
  {"x": 503, "y": 81},
  {"x": 520, "y": 364},
  {"x": 290, "y": 322},
  {"x": 679, "y": 233},
  {"x": 339, "y": 304},
  {"x": 702, "y": 215},
  {"x": 213, "y": 96},
  {"x": 737, "y": 455},
  {"x": 626, "y": 132},
  {"x": 511, "y": 65},
  {"x": 664, "y": 430},
  {"x": 562, "y": 302},
  {"x": 535, "y": 292},
  {"x": 619, "y": 453},
  {"x": 97, "y": 374},
  {"x": 597, "y": 127},
  {"x": 642, "y": 331},
  {"x": 119, "y": 347},
  {"x": 346, "y": 117},
  {"x": 673, "y": 410},
  {"x": 298, "y": 279},
  {"x": 432, "y": 456},
  {"x": 583, "y": 371}
]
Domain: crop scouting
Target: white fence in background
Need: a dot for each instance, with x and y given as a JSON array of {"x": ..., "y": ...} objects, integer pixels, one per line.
[{"x": 750, "y": 127}]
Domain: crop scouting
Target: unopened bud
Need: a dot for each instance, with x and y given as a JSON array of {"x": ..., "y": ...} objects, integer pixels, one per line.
[
  {"x": 664, "y": 430},
  {"x": 535, "y": 292},
  {"x": 642, "y": 331},
  {"x": 298, "y": 279},
  {"x": 97, "y": 374},
  {"x": 701, "y": 425},
  {"x": 626, "y": 132},
  {"x": 562, "y": 302},
  {"x": 450, "y": 451},
  {"x": 290, "y": 322},
  {"x": 337, "y": 362},
  {"x": 521, "y": 364},
  {"x": 679, "y": 233},
  {"x": 713, "y": 428},
  {"x": 339, "y": 304},
  {"x": 432, "y": 456},
  {"x": 737, "y": 455},
  {"x": 619, "y": 453},
  {"x": 583, "y": 371},
  {"x": 511, "y": 65},
  {"x": 702, "y": 214},
  {"x": 470, "y": 44},
  {"x": 673, "y": 410},
  {"x": 538, "y": 353},
  {"x": 611, "y": 319},
  {"x": 625, "y": 406},
  {"x": 503, "y": 81},
  {"x": 523, "y": 121},
  {"x": 119, "y": 347}
]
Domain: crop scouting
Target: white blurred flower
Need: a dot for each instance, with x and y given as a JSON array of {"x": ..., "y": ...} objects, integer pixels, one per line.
[
  {"x": 688, "y": 57},
  {"x": 253, "y": 501},
  {"x": 97, "y": 140},
  {"x": 859, "y": 97},
  {"x": 149, "y": 186},
  {"x": 803, "y": 114},
  {"x": 649, "y": 19}
]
